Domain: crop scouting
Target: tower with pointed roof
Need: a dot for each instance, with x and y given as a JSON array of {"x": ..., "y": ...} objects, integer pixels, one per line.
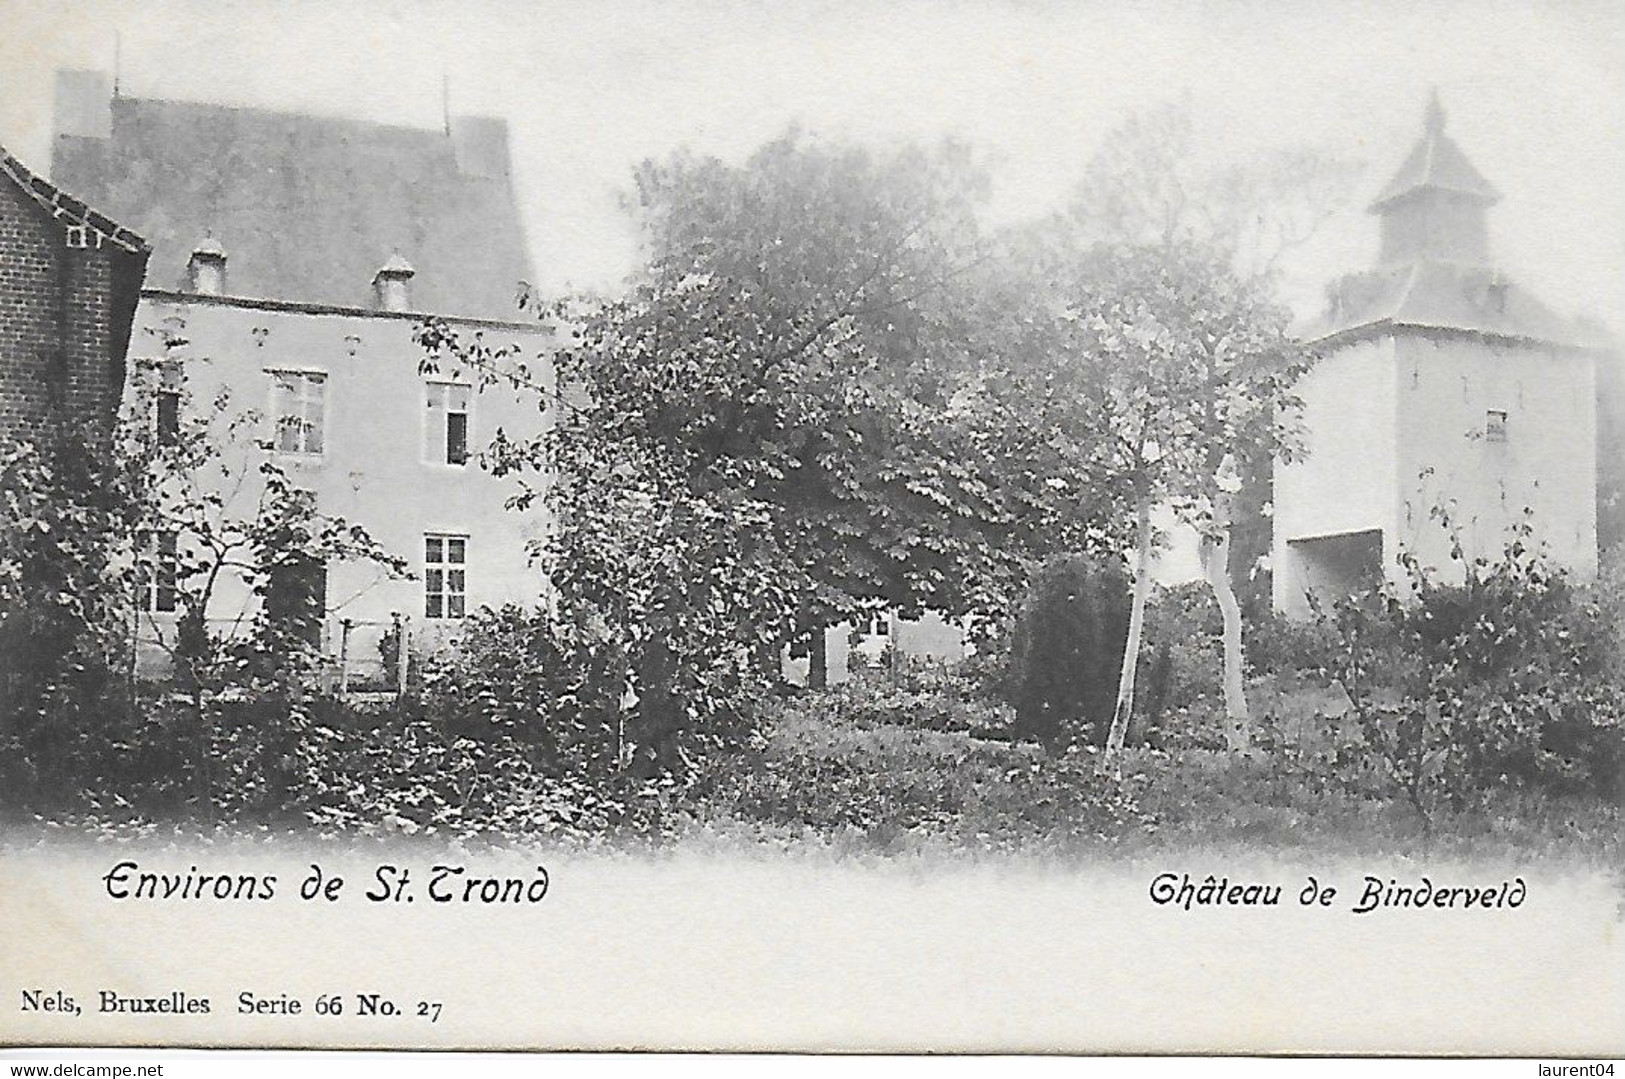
[{"x": 1442, "y": 385}]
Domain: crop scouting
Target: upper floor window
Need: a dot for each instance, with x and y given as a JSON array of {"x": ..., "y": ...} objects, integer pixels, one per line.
[
  {"x": 167, "y": 404},
  {"x": 298, "y": 408},
  {"x": 446, "y": 431},
  {"x": 1495, "y": 425}
]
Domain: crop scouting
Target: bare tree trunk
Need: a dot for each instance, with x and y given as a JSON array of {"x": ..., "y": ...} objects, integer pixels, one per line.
[
  {"x": 1118, "y": 733},
  {"x": 1216, "y": 565}
]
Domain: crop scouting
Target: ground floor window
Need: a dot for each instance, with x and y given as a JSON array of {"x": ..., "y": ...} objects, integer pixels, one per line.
[
  {"x": 445, "y": 576},
  {"x": 160, "y": 563},
  {"x": 296, "y": 599}
]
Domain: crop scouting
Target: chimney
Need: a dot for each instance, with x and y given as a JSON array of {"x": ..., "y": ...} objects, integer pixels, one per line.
[
  {"x": 84, "y": 104},
  {"x": 206, "y": 269},
  {"x": 392, "y": 282},
  {"x": 480, "y": 144}
]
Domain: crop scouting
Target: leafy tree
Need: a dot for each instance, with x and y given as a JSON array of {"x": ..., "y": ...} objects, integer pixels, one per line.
[
  {"x": 212, "y": 486},
  {"x": 784, "y": 421},
  {"x": 1164, "y": 274},
  {"x": 207, "y": 488}
]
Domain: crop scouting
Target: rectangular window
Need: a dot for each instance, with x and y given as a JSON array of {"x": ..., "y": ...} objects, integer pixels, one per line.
[
  {"x": 167, "y": 407},
  {"x": 445, "y": 576},
  {"x": 1495, "y": 425},
  {"x": 160, "y": 566},
  {"x": 880, "y": 626},
  {"x": 298, "y": 407},
  {"x": 446, "y": 432}
]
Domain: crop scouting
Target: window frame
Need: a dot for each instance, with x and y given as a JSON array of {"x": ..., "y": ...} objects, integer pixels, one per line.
[
  {"x": 444, "y": 413},
  {"x": 170, "y": 387},
  {"x": 159, "y": 571},
  {"x": 304, "y": 374},
  {"x": 1496, "y": 422},
  {"x": 437, "y": 601}
]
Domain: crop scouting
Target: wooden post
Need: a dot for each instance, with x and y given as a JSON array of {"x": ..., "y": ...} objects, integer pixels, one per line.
[
  {"x": 402, "y": 651},
  {"x": 344, "y": 658}
]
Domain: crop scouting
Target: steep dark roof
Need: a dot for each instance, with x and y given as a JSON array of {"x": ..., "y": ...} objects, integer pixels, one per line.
[
  {"x": 311, "y": 207},
  {"x": 1429, "y": 293},
  {"x": 1436, "y": 163},
  {"x": 1445, "y": 296}
]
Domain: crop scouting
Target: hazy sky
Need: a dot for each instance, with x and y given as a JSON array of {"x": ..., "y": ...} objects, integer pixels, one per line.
[{"x": 1533, "y": 91}]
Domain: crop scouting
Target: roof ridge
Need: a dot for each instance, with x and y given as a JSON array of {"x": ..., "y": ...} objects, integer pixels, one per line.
[{"x": 302, "y": 114}]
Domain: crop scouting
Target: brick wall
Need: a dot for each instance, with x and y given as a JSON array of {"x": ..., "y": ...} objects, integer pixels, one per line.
[{"x": 61, "y": 349}]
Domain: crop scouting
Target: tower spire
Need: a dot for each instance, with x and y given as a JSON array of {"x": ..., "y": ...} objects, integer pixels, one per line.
[{"x": 1433, "y": 121}]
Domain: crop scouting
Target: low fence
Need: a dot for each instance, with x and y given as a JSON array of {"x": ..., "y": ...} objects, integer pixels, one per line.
[{"x": 361, "y": 657}]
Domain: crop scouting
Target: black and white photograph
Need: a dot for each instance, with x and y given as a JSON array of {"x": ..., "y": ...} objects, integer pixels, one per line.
[{"x": 991, "y": 526}]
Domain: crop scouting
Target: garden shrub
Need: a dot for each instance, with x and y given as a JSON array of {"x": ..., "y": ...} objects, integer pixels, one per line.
[
  {"x": 1181, "y": 655},
  {"x": 1067, "y": 651},
  {"x": 833, "y": 774},
  {"x": 64, "y": 593},
  {"x": 1509, "y": 677},
  {"x": 919, "y": 692},
  {"x": 510, "y": 676}
]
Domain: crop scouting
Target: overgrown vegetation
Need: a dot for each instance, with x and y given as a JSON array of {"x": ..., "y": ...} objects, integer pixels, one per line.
[
  {"x": 827, "y": 393},
  {"x": 1488, "y": 675}
]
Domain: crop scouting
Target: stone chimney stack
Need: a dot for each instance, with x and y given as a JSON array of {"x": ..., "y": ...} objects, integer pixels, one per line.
[
  {"x": 206, "y": 269},
  {"x": 392, "y": 284},
  {"x": 84, "y": 104}
]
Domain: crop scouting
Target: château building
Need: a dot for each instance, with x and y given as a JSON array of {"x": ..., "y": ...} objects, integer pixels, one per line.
[{"x": 293, "y": 258}]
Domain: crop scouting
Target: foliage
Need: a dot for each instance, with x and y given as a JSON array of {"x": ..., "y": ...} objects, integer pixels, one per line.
[
  {"x": 317, "y": 766},
  {"x": 1182, "y": 624},
  {"x": 921, "y": 694},
  {"x": 1280, "y": 645},
  {"x": 64, "y": 592},
  {"x": 1164, "y": 273},
  {"x": 1497, "y": 672},
  {"x": 510, "y": 678},
  {"x": 1067, "y": 649},
  {"x": 232, "y": 512},
  {"x": 83, "y": 517},
  {"x": 888, "y": 784},
  {"x": 780, "y": 424}
]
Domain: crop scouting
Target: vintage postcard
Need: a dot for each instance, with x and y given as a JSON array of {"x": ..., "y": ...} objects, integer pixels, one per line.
[{"x": 1035, "y": 527}]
